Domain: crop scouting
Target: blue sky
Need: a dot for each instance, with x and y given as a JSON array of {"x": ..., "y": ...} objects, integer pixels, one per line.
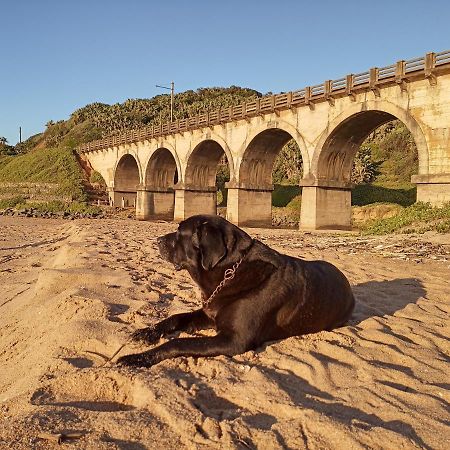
[{"x": 57, "y": 56}]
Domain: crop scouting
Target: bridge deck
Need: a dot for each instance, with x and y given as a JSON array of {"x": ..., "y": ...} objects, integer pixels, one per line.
[{"x": 429, "y": 66}]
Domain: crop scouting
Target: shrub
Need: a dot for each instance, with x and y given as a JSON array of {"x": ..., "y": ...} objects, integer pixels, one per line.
[
  {"x": 288, "y": 165},
  {"x": 97, "y": 178},
  {"x": 364, "y": 169}
]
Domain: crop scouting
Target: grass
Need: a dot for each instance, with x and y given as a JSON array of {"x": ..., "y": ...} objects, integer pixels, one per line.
[
  {"x": 418, "y": 217},
  {"x": 55, "y": 165},
  {"x": 11, "y": 202}
]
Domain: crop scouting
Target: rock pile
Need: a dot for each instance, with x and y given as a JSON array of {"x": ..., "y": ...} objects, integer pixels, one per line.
[{"x": 33, "y": 212}]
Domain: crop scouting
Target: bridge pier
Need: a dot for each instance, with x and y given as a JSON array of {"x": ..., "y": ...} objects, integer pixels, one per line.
[
  {"x": 190, "y": 201},
  {"x": 250, "y": 207},
  {"x": 154, "y": 203},
  {"x": 326, "y": 205},
  {"x": 123, "y": 199},
  {"x": 433, "y": 188}
]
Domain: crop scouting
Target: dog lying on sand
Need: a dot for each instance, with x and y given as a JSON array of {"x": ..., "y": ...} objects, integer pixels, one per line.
[{"x": 251, "y": 294}]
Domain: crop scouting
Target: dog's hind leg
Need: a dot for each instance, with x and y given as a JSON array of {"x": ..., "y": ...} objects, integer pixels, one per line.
[
  {"x": 203, "y": 346},
  {"x": 189, "y": 322}
]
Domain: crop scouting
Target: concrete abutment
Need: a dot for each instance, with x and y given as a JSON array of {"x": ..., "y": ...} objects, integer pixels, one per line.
[
  {"x": 155, "y": 204},
  {"x": 250, "y": 207},
  {"x": 189, "y": 202},
  {"x": 326, "y": 207},
  {"x": 433, "y": 189}
]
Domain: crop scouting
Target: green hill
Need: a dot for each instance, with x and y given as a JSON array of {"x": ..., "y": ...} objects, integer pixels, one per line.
[{"x": 97, "y": 120}]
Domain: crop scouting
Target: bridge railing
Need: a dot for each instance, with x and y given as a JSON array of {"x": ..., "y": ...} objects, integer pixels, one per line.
[{"x": 372, "y": 79}]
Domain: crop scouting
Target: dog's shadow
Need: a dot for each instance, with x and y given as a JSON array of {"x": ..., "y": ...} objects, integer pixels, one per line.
[{"x": 379, "y": 298}]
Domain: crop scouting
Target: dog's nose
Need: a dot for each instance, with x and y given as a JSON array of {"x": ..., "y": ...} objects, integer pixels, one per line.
[{"x": 159, "y": 240}]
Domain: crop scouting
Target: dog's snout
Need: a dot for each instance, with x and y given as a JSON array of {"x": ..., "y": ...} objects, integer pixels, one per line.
[{"x": 159, "y": 240}]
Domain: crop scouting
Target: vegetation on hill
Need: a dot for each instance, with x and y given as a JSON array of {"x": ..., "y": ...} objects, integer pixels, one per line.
[
  {"x": 97, "y": 120},
  {"x": 48, "y": 165}
]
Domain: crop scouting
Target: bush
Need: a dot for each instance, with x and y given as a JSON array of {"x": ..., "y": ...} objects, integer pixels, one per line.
[
  {"x": 97, "y": 178},
  {"x": 296, "y": 203},
  {"x": 364, "y": 169},
  {"x": 288, "y": 165},
  {"x": 394, "y": 151}
]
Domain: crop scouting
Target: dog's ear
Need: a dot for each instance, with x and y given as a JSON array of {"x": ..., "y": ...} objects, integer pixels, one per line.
[{"x": 209, "y": 240}]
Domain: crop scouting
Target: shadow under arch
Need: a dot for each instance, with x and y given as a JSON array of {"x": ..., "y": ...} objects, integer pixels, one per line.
[
  {"x": 263, "y": 146},
  {"x": 126, "y": 156},
  {"x": 335, "y": 151},
  {"x": 202, "y": 163},
  {"x": 127, "y": 177},
  {"x": 163, "y": 169}
]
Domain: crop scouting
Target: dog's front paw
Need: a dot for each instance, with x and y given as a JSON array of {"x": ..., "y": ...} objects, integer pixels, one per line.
[
  {"x": 148, "y": 335},
  {"x": 137, "y": 360}
]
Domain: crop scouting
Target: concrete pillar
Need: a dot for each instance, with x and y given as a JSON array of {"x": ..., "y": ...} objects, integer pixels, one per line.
[
  {"x": 155, "y": 204},
  {"x": 249, "y": 207},
  {"x": 434, "y": 189},
  {"x": 326, "y": 206},
  {"x": 110, "y": 196},
  {"x": 124, "y": 199},
  {"x": 191, "y": 201}
]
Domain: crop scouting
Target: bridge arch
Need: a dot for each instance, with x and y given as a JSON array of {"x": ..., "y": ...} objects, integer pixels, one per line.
[
  {"x": 261, "y": 149},
  {"x": 156, "y": 196},
  {"x": 327, "y": 190},
  {"x": 122, "y": 164},
  {"x": 202, "y": 162},
  {"x": 162, "y": 168},
  {"x": 127, "y": 177},
  {"x": 338, "y": 144},
  {"x": 250, "y": 198}
]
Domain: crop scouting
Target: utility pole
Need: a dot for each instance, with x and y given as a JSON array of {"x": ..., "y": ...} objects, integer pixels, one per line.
[
  {"x": 20, "y": 135},
  {"x": 172, "y": 91}
]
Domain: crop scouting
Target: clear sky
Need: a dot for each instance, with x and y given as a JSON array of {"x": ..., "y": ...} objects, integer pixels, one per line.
[{"x": 57, "y": 56}]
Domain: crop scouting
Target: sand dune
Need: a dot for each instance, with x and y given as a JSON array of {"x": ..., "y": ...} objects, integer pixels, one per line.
[{"x": 72, "y": 292}]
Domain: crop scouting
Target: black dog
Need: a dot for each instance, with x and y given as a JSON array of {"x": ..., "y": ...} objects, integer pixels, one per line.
[{"x": 251, "y": 293}]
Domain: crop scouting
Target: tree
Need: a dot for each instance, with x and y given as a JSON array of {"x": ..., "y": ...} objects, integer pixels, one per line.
[{"x": 6, "y": 149}]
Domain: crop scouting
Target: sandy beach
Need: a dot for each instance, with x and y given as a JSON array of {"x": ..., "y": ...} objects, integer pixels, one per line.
[{"x": 72, "y": 291}]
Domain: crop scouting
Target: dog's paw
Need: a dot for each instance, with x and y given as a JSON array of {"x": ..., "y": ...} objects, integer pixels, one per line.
[
  {"x": 148, "y": 335},
  {"x": 137, "y": 360}
]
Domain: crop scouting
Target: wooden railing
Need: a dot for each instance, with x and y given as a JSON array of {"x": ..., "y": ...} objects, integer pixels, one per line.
[{"x": 429, "y": 66}]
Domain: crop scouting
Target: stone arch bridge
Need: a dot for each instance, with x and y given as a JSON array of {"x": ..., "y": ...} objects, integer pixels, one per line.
[{"x": 168, "y": 171}]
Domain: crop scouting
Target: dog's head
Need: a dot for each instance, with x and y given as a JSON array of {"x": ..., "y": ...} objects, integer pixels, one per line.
[{"x": 203, "y": 243}]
